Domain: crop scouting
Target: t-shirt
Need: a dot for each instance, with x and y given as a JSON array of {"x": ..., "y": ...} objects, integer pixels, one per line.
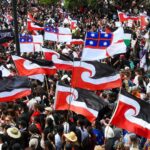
[{"x": 99, "y": 136}]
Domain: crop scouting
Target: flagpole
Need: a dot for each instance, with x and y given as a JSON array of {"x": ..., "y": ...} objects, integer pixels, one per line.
[
  {"x": 47, "y": 86},
  {"x": 14, "y": 4},
  {"x": 72, "y": 87},
  {"x": 18, "y": 75},
  {"x": 114, "y": 111},
  {"x": 70, "y": 98}
]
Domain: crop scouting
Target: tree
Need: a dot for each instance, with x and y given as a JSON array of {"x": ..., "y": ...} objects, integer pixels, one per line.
[
  {"x": 46, "y": 2},
  {"x": 74, "y": 4}
]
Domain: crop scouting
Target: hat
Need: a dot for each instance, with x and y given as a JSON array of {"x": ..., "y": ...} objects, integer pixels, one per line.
[
  {"x": 49, "y": 109},
  {"x": 71, "y": 136},
  {"x": 98, "y": 147},
  {"x": 14, "y": 132}
]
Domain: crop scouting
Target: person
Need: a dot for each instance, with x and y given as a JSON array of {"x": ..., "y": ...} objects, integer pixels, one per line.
[
  {"x": 71, "y": 141},
  {"x": 14, "y": 136},
  {"x": 24, "y": 134},
  {"x": 58, "y": 137},
  {"x": 49, "y": 114},
  {"x": 81, "y": 127},
  {"x": 134, "y": 142},
  {"x": 3, "y": 146},
  {"x": 147, "y": 145},
  {"x": 109, "y": 138},
  {"x": 35, "y": 137}
]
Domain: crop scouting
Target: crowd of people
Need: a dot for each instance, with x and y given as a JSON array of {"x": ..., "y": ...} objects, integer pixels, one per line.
[{"x": 32, "y": 123}]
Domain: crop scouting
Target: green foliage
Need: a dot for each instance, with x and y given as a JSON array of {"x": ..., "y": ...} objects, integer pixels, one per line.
[
  {"x": 46, "y": 2},
  {"x": 73, "y": 4}
]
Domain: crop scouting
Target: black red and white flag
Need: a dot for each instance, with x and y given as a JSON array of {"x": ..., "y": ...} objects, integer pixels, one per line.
[
  {"x": 93, "y": 75},
  {"x": 12, "y": 88},
  {"x": 132, "y": 114},
  {"x": 33, "y": 24},
  {"x": 6, "y": 36},
  {"x": 80, "y": 101},
  {"x": 123, "y": 17},
  {"x": 62, "y": 62},
  {"x": 28, "y": 67}
]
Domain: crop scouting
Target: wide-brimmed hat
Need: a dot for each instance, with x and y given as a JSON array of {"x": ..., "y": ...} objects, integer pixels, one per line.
[
  {"x": 49, "y": 109},
  {"x": 14, "y": 132},
  {"x": 71, "y": 136}
]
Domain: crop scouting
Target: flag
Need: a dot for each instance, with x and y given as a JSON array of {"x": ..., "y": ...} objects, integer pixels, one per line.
[
  {"x": 62, "y": 62},
  {"x": 13, "y": 88},
  {"x": 127, "y": 36},
  {"x": 77, "y": 42},
  {"x": 28, "y": 67},
  {"x": 124, "y": 17},
  {"x": 93, "y": 75},
  {"x": 100, "y": 45},
  {"x": 132, "y": 114},
  {"x": 80, "y": 101},
  {"x": 73, "y": 24},
  {"x": 143, "y": 21},
  {"x": 33, "y": 26},
  {"x": 30, "y": 43},
  {"x": 143, "y": 62},
  {"x": 59, "y": 34},
  {"x": 8, "y": 18},
  {"x": 5, "y": 72},
  {"x": 6, "y": 36},
  {"x": 39, "y": 77},
  {"x": 31, "y": 18}
]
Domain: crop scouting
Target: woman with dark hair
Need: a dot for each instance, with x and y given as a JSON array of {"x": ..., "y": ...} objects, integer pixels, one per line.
[
  {"x": 81, "y": 127},
  {"x": 35, "y": 137}
]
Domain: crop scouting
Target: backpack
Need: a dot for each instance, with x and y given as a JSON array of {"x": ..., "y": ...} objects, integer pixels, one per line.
[{"x": 39, "y": 143}]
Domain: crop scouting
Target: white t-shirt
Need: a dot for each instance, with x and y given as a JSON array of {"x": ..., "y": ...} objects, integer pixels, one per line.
[{"x": 148, "y": 88}]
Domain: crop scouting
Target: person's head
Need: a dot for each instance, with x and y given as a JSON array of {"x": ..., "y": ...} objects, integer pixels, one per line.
[
  {"x": 36, "y": 107},
  {"x": 48, "y": 110},
  {"x": 36, "y": 119},
  {"x": 71, "y": 137},
  {"x": 60, "y": 129},
  {"x": 33, "y": 129},
  {"x": 134, "y": 140},
  {"x": 138, "y": 72},
  {"x": 8, "y": 120},
  {"x": 13, "y": 133},
  {"x": 104, "y": 95},
  {"x": 22, "y": 124},
  {"x": 49, "y": 122}
]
